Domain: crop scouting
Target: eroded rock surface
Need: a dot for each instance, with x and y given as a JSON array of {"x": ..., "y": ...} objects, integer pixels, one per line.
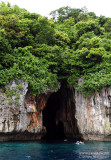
[
  {"x": 54, "y": 114},
  {"x": 94, "y": 115},
  {"x": 12, "y": 108},
  {"x": 21, "y": 112}
]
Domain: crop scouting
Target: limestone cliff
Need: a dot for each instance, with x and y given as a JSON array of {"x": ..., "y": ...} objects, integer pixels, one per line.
[
  {"x": 94, "y": 115},
  {"x": 53, "y": 114},
  {"x": 21, "y": 112}
]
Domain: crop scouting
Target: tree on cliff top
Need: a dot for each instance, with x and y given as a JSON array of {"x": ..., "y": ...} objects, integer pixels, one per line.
[{"x": 74, "y": 43}]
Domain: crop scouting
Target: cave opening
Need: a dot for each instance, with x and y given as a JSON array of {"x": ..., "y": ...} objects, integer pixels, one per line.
[
  {"x": 59, "y": 115},
  {"x": 55, "y": 130}
]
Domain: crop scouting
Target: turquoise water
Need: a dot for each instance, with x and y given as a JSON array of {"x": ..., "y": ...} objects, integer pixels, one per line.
[{"x": 53, "y": 151}]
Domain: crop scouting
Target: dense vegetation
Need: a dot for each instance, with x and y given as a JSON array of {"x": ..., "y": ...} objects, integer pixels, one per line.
[{"x": 74, "y": 43}]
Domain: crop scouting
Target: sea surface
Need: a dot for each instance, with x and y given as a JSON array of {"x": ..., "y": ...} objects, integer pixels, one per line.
[{"x": 53, "y": 151}]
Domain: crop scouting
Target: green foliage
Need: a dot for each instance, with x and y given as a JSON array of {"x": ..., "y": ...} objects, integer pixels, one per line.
[
  {"x": 16, "y": 102},
  {"x": 107, "y": 25},
  {"x": 74, "y": 43},
  {"x": 95, "y": 78},
  {"x": 20, "y": 87},
  {"x": 64, "y": 13},
  {"x": 10, "y": 102},
  {"x": 11, "y": 92}
]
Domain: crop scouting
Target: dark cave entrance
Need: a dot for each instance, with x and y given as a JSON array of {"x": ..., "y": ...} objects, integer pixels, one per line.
[
  {"x": 59, "y": 115},
  {"x": 54, "y": 130}
]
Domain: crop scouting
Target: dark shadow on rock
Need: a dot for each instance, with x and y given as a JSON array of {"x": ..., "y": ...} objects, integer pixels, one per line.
[
  {"x": 59, "y": 115},
  {"x": 54, "y": 131}
]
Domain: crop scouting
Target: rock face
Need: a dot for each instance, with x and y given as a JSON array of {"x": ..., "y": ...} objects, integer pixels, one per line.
[
  {"x": 12, "y": 108},
  {"x": 94, "y": 115},
  {"x": 21, "y": 113},
  {"x": 54, "y": 114}
]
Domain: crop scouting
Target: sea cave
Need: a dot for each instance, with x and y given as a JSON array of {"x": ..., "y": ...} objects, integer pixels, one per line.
[{"x": 59, "y": 115}]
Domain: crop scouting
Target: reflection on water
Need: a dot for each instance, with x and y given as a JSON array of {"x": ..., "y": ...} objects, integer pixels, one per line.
[{"x": 52, "y": 151}]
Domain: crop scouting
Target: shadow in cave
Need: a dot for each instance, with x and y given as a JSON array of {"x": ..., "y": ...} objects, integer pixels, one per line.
[
  {"x": 55, "y": 130},
  {"x": 59, "y": 115}
]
